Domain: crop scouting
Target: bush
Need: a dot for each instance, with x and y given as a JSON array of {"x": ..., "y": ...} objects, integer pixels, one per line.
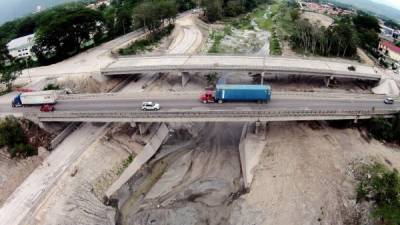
[
  {"x": 382, "y": 186},
  {"x": 23, "y": 150},
  {"x": 147, "y": 44},
  {"x": 49, "y": 87},
  {"x": 13, "y": 137},
  {"x": 385, "y": 129}
]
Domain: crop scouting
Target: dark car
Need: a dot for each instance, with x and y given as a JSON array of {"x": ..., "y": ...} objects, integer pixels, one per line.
[{"x": 47, "y": 108}]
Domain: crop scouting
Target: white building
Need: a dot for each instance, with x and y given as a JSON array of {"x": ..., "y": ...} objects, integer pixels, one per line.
[{"x": 21, "y": 47}]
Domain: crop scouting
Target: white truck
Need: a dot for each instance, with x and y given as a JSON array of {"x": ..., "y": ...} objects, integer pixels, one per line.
[{"x": 35, "y": 98}]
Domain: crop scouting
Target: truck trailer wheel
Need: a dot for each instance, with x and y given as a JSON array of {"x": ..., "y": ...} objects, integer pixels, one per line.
[{"x": 220, "y": 101}]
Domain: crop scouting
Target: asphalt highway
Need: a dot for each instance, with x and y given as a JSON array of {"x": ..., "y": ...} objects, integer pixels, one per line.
[{"x": 192, "y": 104}]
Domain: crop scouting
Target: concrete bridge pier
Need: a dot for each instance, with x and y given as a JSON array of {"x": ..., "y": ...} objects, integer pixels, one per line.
[
  {"x": 142, "y": 127},
  {"x": 185, "y": 78},
  {"x": 328, "y": 80}
]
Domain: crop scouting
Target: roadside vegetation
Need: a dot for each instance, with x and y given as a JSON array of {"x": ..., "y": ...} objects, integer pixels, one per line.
[
  {"x": 125, "y": 164},
  {"x": 380, "y": 186},
  {"x": 49, "y": 87},
  {"x": 68, "y": 29},
  {"x": 12, "y": 137},
  {"x": 147, "y": 44},
  {"x": 385, "y": 129}
]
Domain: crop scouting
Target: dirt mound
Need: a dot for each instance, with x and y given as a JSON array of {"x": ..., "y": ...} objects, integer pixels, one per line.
[
  {"x": 387, "y": 87},
  {"x": 37, "y": 136},
  {"x": 88, "y": 85}
]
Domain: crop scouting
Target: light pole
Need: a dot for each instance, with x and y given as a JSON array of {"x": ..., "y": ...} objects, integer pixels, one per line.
[{"x": 27, "y": 69}]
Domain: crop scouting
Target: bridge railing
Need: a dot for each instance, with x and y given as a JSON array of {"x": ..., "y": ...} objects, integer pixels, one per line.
[
  {"x": 217, "y": 66},
  {"x": 160, "y": 115}
]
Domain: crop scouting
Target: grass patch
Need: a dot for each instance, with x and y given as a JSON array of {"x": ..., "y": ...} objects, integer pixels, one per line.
[
  {"x": 216, "y": 37},
  {"x": 274, "y": 44},
  {"x": 381, "y": 186},
  {"x": 148, "y": 43},
  {"x": 125, "y": 165}
]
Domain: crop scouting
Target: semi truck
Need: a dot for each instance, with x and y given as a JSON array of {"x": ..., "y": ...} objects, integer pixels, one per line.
[
  {"x": 35, "y": 98},
  {"x": 237, "y": 93}
]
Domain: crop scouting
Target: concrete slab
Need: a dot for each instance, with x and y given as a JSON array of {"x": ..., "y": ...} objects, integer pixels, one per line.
[{"x": 148, "y": 152}]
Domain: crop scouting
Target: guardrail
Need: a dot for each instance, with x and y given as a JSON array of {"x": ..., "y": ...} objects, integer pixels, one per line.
[
  {"x": 210, "y": 115},
  {"x": 217, "y": 67},
  {"x": 260, "y": 64}
]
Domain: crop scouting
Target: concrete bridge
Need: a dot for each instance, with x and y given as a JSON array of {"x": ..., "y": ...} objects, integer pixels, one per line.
[{"x": 267, "y": 65}]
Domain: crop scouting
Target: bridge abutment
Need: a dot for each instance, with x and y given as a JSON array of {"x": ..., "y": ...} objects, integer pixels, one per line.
[{"x": 251, "y": 146}]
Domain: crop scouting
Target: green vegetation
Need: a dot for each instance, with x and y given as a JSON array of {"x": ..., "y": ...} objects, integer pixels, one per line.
[
  {"x": 216, "y": 37},
  {"x": 218, "y": 9},
  {"x": 49, "y": 87},
  {"x": 12, "y": 136},
  {"x": 385, "y": 129},
  {"x": 381, "y": 186},
  {"x": 68, "y": 29},
  {"x": 65, "y": 31},
  {"x": 147, "y": 43},
  {"x": 212, "y": 78},
  {"x": 125, "y": 164},
  {"x": 368, "y": 30}
]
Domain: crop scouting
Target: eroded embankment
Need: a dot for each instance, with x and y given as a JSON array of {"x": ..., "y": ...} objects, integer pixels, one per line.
[{"x": 193, "y": 179}]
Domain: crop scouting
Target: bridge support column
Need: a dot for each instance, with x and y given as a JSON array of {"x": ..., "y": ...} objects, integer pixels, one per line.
[
  {"x": 258, "y": 125},
  {"x": 328, "y": 81},
  {"x": 262, "y": 78},
  {"x": 185, "y": 78},
  {"x": 144, "y": 127}
]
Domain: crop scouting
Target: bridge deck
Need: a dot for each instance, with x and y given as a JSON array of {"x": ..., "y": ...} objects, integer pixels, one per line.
[{"x": 270, "y": 65}]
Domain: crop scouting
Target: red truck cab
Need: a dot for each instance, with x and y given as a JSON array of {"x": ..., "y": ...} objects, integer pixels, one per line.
[
  {"x": 47, "y": 108},
  {"x": 207, "y": 97}
]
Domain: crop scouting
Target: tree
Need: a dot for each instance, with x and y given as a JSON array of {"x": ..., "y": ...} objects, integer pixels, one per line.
[
  {"x": 213, "y": 9},
  {"x": 365, "y": 21},
  {"x": 294, "y": 14},
  {"x": 234, "y": 8},
  {"x": 152, "y": 15},
  {"x": 64, "y": 31},
  {"x": 183, "y": 5},
  {"x": 123, "y": 21}
]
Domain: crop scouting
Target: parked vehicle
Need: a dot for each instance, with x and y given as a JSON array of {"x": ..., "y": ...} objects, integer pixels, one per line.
[
  {"x": 388, "y": 101},
  {"x": 47, "y": 108},
  {"x": 35, "y": 98},
  {"x": 237, "y": 93},
  {"x": 150, "y": 106}
]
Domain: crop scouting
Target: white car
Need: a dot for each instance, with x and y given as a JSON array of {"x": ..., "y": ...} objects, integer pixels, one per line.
[
  {"x": 389, "y": 101},
  {"x": 150, "y": 106}
]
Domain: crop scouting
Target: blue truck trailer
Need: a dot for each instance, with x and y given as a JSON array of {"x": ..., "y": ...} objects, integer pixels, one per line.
[{"x": 238, "y": 93}]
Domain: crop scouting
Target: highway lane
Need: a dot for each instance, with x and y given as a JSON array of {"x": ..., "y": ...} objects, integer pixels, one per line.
[{"x": 193, "y": 104}]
